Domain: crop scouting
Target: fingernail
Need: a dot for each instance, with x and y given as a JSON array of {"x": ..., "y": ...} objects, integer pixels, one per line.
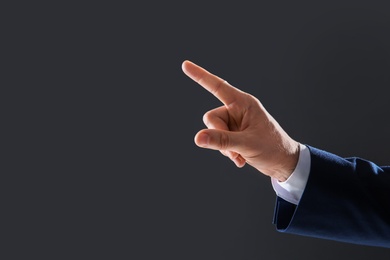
[{"x": 203, "y": 140}]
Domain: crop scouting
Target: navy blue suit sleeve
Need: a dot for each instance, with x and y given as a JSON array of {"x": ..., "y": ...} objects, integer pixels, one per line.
[{"x": 345, "y": 199}]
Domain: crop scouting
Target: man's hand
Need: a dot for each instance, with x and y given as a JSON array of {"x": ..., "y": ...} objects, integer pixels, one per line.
[{"x": 242, "y": 129}]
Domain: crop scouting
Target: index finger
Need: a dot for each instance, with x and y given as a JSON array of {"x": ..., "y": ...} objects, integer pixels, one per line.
[{"x": 220, "y": 88}]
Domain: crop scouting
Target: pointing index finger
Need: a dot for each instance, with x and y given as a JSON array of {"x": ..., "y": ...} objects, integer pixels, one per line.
[{"x": 222, "y": 90}]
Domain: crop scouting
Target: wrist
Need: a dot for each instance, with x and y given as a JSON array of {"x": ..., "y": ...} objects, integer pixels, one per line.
[{"x": 289, "y": 162}]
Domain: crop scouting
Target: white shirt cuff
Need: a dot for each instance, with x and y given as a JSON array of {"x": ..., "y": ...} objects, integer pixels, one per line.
[{"x": 292, "y": 189}]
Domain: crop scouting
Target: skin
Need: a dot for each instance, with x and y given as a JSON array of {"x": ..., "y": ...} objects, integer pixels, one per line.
[{"x": 242, "y": 129}]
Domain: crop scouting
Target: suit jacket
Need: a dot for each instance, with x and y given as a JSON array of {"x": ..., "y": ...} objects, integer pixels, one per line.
[{"x": 345, "y": 199}]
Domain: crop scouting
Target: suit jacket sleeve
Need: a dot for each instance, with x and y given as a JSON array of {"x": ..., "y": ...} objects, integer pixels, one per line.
[{"x": 345, "y": 199}]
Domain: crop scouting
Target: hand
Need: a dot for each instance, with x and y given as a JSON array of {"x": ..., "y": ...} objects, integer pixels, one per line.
[{"x": 242, "y": 129}]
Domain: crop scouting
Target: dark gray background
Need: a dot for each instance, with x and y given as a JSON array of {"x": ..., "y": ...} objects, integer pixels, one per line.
[{"x": 101, "y": 120}]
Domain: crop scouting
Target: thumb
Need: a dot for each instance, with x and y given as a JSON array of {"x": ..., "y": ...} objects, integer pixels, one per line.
[{"x": 217, "y": 139}]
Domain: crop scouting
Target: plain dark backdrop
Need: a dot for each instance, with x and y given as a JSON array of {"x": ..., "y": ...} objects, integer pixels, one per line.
[{"x": 99, "y": 123}]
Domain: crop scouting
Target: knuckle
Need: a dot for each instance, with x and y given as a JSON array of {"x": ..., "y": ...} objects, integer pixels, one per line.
[
  {"x": 206, "y": 118},
  {"x": 224, "y": 153},
  {"x": 224, "y": 142},
  {"x": 218, "y": 87}
]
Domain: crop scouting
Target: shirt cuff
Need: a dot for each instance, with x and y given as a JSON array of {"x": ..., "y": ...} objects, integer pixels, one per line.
[{"x": 292, "y": 189}]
